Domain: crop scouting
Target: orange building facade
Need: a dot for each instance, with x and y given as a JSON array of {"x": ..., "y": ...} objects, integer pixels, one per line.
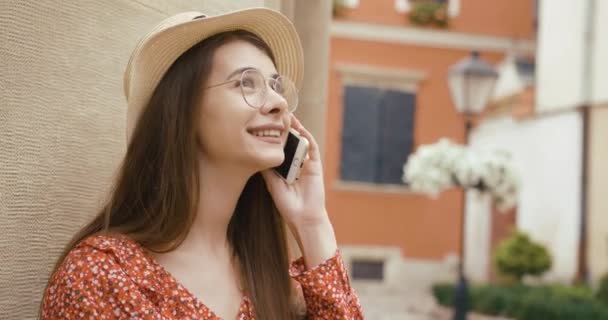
[{"x": 376, "y": 45}]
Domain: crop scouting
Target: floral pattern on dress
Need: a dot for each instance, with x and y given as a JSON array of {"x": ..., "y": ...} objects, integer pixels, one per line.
[{"x": 114, "y": 277}]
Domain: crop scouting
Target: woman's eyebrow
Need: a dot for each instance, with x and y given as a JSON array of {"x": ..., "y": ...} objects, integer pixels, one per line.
[
  {"x": 242, "y": 69},
  {"x": 238, "y": 71}
]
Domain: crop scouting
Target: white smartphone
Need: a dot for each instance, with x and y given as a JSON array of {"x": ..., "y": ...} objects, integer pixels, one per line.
[{"x": 295, "y": 150}]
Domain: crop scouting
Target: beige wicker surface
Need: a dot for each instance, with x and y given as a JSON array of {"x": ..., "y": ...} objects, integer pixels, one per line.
[{"x": 62, "y": 124}]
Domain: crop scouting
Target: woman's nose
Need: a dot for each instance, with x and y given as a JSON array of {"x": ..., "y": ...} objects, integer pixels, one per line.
[{"x": 275, "y": 103}]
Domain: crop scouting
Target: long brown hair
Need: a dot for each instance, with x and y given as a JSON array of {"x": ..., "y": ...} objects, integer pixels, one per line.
[{"x": 155, "y": 195}]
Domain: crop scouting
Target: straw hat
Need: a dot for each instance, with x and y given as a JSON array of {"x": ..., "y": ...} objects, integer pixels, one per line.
[{"x": 157, "y": 50}]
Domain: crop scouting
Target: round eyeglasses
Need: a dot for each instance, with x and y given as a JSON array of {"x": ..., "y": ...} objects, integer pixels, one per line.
[{"x": 254, "y": 88}]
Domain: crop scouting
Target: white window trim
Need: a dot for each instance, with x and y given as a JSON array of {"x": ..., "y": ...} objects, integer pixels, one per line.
[
  {"x": 368, "y": 187},
  {"x": 453, "y": 8},
  {"x": 389, "y": 255},
  {"x": 379, "y": 77},
  {"x": 417, "y": 272}
]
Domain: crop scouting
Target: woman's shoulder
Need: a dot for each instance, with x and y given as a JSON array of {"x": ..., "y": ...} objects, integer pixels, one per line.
[
  {"x": 101, "y": 247},
  {"x": 98, "y": 274},
  {"x": 99, "y": 256}
]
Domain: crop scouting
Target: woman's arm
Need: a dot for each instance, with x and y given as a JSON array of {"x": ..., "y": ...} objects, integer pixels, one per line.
[
  {"x": 320, "y": 271},
  {"x": 326, "y": 289},
  {"x": 316, "y": 242}
]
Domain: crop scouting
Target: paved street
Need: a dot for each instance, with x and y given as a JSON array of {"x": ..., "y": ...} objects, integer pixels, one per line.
[{"x": 411, "y": 306}]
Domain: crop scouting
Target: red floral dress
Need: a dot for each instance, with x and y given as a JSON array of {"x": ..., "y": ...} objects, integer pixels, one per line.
[{"x": 112, "y": 277}]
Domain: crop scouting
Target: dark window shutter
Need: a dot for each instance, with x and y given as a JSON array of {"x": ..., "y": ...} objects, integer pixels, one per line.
[
  {"x": 395, "y": 136},
  {"x": 359, "y": 133}
]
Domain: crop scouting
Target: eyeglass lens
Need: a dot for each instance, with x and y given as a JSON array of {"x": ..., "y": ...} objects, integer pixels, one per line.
[{"x": 255, "y": 91}]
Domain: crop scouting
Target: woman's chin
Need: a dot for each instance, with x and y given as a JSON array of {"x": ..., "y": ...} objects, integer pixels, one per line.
[
  {"x": 265, "y": 155},
  {"x": 270, "y": 161}
]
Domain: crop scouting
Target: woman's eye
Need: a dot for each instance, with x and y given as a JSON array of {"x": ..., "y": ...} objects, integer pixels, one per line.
[
  {"x": 248, "y": 83},
  {"x": 278, "y": 87}
]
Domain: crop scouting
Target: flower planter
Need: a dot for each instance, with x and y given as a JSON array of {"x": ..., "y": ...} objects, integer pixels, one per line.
[{"x": 429, "y": 13}]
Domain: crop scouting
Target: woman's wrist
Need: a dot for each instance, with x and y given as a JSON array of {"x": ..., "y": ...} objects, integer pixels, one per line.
[{"x": 317, "y": 241}]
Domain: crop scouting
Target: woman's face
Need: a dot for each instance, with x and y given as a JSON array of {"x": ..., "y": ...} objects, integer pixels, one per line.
[{"x": 230, "y": 130}]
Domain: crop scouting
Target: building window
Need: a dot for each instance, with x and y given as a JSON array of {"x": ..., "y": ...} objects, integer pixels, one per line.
[
  {"x": 377, "y": 122},
  {"x": 368, "y": 270},
  {"x": 526, "y": 68},
  {"x": 377, "y": 134}
]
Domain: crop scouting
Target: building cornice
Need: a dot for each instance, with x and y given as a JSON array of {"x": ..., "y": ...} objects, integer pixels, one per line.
[{"x": 431, "y": 38}]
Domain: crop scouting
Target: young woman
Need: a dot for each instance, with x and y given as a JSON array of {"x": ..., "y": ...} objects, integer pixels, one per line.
[{"x": 194, "y": 226}]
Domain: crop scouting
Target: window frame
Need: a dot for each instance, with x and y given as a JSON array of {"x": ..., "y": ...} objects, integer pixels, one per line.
[{"x": 406, "y": 80}]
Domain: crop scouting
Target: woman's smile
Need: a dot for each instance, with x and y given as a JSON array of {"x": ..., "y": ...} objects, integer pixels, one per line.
[{"x": 270, "y": 133}]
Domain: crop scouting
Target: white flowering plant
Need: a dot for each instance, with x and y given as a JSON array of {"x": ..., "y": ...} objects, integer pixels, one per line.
[{"x": 436, "y": 167}]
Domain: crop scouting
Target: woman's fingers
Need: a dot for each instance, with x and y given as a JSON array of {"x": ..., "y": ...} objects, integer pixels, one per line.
[{"x": 313, "y": 150}]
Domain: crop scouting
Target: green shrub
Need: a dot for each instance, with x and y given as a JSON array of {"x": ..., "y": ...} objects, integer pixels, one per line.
[
  {"x": 444, "y": 293},
  {"x": 522, "y": 302},
  {"x": 602, "y": 291},
  {"x": 559, "y": 306},
  {"x": 518, "y": 256},
  {"x": 558, "y": 302},
  {"x": 495, "y": 300}
]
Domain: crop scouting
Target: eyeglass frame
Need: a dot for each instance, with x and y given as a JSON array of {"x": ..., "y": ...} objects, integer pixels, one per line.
[{"x": 267, "y": 82}]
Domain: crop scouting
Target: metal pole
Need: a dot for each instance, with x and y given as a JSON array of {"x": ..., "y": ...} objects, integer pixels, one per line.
[
  {"x": 461, "y": 294},
  {"x": 583, "y": 275}
]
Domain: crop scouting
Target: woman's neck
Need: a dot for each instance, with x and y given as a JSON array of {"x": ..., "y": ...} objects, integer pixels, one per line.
[{"x": 220, "y": 189}]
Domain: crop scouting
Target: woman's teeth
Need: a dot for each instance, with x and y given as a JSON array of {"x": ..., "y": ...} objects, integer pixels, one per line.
[{"x": 267, "y": 133}]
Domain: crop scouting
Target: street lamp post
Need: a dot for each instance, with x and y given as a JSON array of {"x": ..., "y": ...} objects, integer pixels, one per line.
[{"x": 471, "y": 82}]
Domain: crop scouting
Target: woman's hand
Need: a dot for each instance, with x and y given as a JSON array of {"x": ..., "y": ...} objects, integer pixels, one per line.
[{"x": 302, "y": 204}]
